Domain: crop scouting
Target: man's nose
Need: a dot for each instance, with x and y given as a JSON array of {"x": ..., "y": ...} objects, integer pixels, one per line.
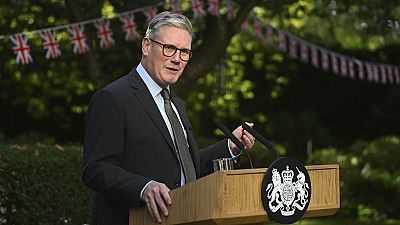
[{"x": 176, "y": 58}]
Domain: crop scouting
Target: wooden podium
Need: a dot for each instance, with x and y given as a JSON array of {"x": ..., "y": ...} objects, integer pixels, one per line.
[{"x": 234, "y": 197}]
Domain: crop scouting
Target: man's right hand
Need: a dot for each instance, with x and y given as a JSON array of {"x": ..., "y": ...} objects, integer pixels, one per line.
[{"x": 157, "y": 199}]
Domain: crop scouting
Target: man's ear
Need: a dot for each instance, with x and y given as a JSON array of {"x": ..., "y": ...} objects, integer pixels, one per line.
[{"x": 145, "y": 46}]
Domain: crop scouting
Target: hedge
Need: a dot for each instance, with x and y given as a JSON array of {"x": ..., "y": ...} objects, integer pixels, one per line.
[{"x": 41, "y": 184}]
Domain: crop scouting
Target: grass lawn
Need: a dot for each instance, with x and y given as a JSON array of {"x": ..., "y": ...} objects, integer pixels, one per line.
[{"x": 337, "y": 221}]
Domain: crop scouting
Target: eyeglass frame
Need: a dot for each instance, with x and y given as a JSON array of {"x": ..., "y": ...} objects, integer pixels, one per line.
[{"x": 176, "y": 49}]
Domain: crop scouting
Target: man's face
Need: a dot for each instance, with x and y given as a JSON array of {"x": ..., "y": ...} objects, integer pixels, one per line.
[{"x": 165, "y": 70}]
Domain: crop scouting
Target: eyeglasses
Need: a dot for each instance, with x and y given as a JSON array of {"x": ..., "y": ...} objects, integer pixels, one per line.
[{"x": 170, "y": 50}]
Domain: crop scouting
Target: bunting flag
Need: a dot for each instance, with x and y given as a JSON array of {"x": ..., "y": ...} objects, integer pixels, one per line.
[
  {"x": 397, "y": 75},
  {"x": 314, "y": 57},
  {"x": 370, "y": 73},
  {"x": 150, "y": 12},
  {"x": 282, "y": 41},
  {"x": 383, "y": 73},
  {"x": 335, "y": 65},
  {"x": 360, "y": 69},
  {"x": 197, "y": 7},
  {"x": 50, "y": 44},
  {"x": 257, "y": 28},
  {"x": 213, "y": 7},
  {"x": 343, "y": 66},
  {"x": 390, "y": 75},
  {"x": 244, "y": 26},
  {"x": 78, "y": 39},
  {"x": 296, "y": 47},
  {"x": 351, "y": 69},
  {"x": 21, "y": 49},
  {"x": 104, "y": 33},
  {"x": 304, "y": 52},
  {"x": 293, "y": 47},
  {"x": 230, "y": 10},
  {"x": 175, "y": 6},
  {"x": 325, "y": 60},
  {"x": 129, "y": 26},
  {"x": 270, "y": 35}
]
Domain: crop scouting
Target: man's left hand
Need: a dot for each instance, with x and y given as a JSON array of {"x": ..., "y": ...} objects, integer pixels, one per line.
[{"x": 245, "y": 137}]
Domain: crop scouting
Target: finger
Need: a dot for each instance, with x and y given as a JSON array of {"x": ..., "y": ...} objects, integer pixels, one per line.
[
  {"x": 154, "y": 210},
  {"x": 250, "y": 124},
  {"x": 248, "y": 139},
  {"x": 161, "y": 204},
  {"x": 165, "y": 195}
]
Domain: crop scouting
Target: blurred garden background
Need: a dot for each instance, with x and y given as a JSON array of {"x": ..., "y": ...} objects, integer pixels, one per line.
[{"x": 319, "y": 78}]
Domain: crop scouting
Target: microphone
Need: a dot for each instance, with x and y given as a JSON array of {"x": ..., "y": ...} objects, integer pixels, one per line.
[
  {"x": 236, "y": 141},
  {"x": 232, "y": 137},
  {"x": 259, "y": 137}
]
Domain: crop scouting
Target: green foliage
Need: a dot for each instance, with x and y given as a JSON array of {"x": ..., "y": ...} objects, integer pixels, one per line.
[
  {"x": 369, "y": 175},
  {"x": 41, "y": 184}
]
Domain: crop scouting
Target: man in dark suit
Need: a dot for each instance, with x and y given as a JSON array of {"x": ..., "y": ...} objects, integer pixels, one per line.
[{"x": 131, "y": 152}]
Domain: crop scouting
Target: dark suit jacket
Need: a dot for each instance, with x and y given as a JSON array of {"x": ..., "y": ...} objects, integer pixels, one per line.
[{"x": 127, "y": 144}]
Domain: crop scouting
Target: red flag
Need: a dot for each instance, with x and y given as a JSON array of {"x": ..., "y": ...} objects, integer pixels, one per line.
[
  {"x": 304, "y": 52},
  {"x": 175, "y": 6},
  {"x": 343, "y": 66},
  {"x": 21, "y": 49},
  {"x": 325, "y": 60},
  {"x": 314, "y": 56},
  {"x": 334, "y": 61},
  {"x": 150, "y": 12},
  {"x": 213, "y": 7},
  {"x": 230, "y": 10},
  {"x": 282, "y": 41},
  {"x": 129, "y": 26},
  {"x": 104, "y": 33},
  {"x": 198, "y": 10},
  {"x": 50, "y": 44},
  {"x": 293, "y": 47},
  {"x": 360, "y": 69}
]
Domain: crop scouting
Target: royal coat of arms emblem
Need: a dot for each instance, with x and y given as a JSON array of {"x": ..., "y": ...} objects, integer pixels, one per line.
[{"x": 286, "y": 190}]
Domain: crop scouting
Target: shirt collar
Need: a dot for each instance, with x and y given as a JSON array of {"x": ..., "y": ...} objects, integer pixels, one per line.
[{"x": 153, "y": 87}]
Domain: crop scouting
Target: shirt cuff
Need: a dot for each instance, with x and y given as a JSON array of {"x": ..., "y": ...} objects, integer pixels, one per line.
[
  {"x": 141, "y": 193},
  {"x": 234, "y": 157}
]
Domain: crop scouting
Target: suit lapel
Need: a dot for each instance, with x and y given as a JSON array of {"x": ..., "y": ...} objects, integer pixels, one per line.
[{"x": 144, "y": 97}]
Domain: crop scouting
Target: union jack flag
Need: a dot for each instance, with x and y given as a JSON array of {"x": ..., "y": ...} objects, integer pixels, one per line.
[
  {"x": 50, "y": 44},
  {"x": 129, "y": 26},
  {"x": 293, "y": 47},
  {"x": 304, "y": 52},
  {"x": 282, "y": 41},
  {"x": 343, "y": 66},
  {"x": 150, "y": 12},
  {"x": 21, "y": 49},
  {"x": 396, "y": 74},
  {"x": 213, "y": 7},
  {"x": 198, "y": 10},
  {"x": 314, "y": 57},
  {"x": 383, "y": 74},
  {"x": 335, "y": 66},
  {"x": 175, "y": 6},
  {"x": 257, "y": 28},
  {"x": 351, "y": 69},
  {"x": 370, "y": 72},
  {"x": 229, "y": 10},
  {"x": 325, "y": 60},
  {"x": 104, "y": 33},
  {"x": 78, "y": 39},
  {"x": 245, "y": 25},
  {"x": 360, "y": 69},
  {"x": 270, "y": 35},
  {"x": 390, "y": 74}
]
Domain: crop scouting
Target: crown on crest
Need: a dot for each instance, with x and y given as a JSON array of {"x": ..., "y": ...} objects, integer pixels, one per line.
[{"x": 287, "y": 175}]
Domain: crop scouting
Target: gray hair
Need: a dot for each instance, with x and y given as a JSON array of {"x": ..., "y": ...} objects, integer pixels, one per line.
[{"x": 168, "y": 19}]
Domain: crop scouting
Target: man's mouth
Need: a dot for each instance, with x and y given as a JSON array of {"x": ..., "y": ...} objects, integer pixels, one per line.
[{"x": 173, "y": 69}]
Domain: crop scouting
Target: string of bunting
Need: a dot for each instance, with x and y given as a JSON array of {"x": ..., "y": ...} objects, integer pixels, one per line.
[{"x": 297, "y": 48}]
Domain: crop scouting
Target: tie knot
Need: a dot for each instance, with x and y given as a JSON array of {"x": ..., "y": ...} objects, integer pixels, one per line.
[{"x": 165, "y": 94}]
